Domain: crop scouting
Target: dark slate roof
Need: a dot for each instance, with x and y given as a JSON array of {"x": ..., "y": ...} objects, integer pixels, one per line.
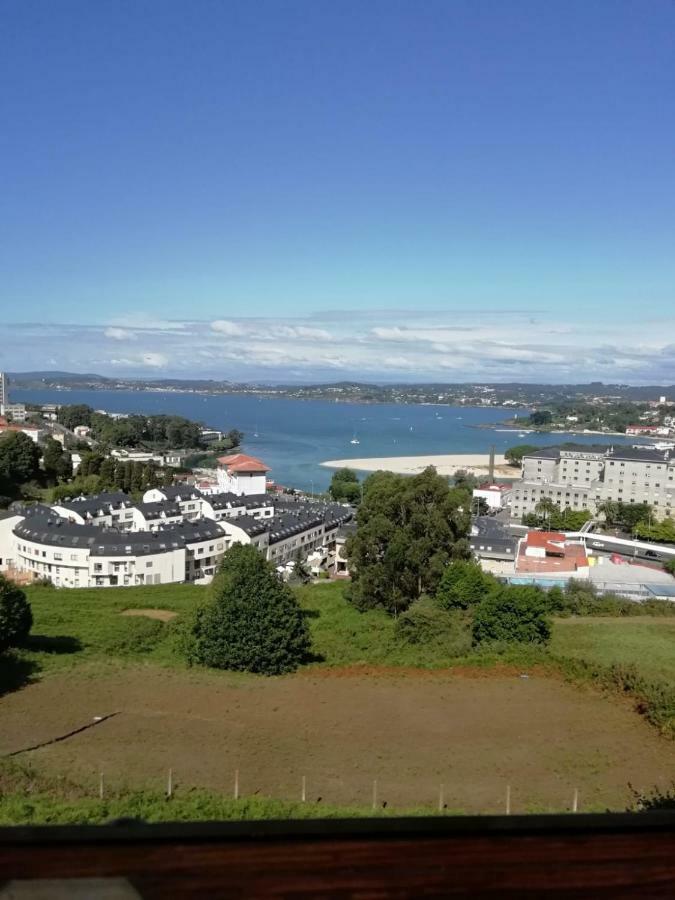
[
  {"x": 58, "y": 532},
  {"x": 642, "y": 454},
  {"x": 228, "y": 500},
  {"x": 104, "y": 501},
  {"x": 250, "y": 525},
  {"x": 311, "y": 515},
  {"x": 155, "y": 510},
  {"x": 180, "y": 492}
]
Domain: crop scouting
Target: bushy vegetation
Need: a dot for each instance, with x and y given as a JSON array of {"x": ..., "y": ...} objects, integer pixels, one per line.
[
  {"x": 105, "y": 473},
  {"x": 426, "y": 624},
  {"x": 514, "y": 455},
  {"x": 345, "y": 487},
  {"x": 19, "y": 464},
  {"x": 463, "y": 585},
  {"x": 408, "y": 530},
  {"x": 16, "y": 618},
  {"x": 547, "y": 514},
  {"x": 252, "y": 622},
  {"x": 512, "y": 614},
  {"x": 157, "y": 431}
]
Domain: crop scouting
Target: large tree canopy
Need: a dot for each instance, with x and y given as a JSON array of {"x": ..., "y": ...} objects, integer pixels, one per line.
[
  {"x": 408, "y": 530},
  {"x": 19, "y": 458}
]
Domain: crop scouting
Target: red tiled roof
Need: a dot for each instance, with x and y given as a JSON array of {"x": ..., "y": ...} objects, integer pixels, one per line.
[{"x": 241, "y": 462}]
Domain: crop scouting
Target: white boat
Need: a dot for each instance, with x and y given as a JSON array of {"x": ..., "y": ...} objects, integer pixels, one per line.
[{"x": 355, "y": 441}]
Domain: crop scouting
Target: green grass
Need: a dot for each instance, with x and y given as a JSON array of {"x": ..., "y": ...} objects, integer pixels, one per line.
[
  {"x": 646, "y": 643},
  {"x": 72, "y": 626},
  {"x": 29, "y": 797},
  {"x": 75, "y": 625}
]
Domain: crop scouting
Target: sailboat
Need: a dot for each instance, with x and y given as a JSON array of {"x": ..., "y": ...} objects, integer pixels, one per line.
[
  {"x": 355, "y": 440},
  {"x": 255, "y": 433}
]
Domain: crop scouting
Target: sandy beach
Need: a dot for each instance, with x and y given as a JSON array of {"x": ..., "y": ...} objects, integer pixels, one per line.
[{"x": 447, "y": 464}]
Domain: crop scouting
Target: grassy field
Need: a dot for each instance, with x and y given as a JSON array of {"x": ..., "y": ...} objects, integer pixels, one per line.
[
  {"x": 646, "y": 643},
  {"x": 80, "y": 625}
]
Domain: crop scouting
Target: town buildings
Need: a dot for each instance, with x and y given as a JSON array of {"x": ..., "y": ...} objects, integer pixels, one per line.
[
  {"x": 173, "y": 534},
  {"x": 583, "y": 476}
]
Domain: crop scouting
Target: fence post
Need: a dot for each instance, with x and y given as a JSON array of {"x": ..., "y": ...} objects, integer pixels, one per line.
[
  {"x": 508, "y": 799},
  {"x": 169, "y": 784},
  {"x": 375, "y": 793},
  {"x": 101, "y": 786},
  {"x": 441, "y": 799},
  {"x": 236, "y": 784},
  {"x": 304, "y": 789},
  {"x": 575, "y": 800}
]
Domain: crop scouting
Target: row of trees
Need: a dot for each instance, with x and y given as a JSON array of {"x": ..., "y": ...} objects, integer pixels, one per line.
[
  {"x": 158, "y": 431},
  {"x": 547, "y": 514},
  {"x": 105, "y": 473}
]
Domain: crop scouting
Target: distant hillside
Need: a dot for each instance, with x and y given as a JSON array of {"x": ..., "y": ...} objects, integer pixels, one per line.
[{"x": 468, "y": 393}]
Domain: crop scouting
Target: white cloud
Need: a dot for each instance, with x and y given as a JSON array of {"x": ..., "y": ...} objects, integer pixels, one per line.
[
  {"x": 408, "y": 345},
  {"x": 231, "y": 329},
  {"x": 119, "y": 334},
  {"x": 155, "y": 360}
]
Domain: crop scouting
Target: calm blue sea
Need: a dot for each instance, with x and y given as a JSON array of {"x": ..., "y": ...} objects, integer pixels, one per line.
[{"x": 294, "y": 436}]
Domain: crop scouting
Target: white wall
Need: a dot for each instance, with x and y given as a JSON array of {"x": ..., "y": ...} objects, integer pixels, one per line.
[{"x": 8, "y": 542}]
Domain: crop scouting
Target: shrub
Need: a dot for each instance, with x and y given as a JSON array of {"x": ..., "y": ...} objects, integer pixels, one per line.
[
  {"x": 464, "y": 584},
  {"x": 513, "y": 614},
  {"x": 253, "y": 622},
  {"x": 16, "y": 618},
  {"x": 426, "y": 623}
]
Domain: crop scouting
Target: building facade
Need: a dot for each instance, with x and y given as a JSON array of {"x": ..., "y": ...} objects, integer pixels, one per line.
[
  {"x": 175, "y": 534},
  {"x": 584, "y": 476}
]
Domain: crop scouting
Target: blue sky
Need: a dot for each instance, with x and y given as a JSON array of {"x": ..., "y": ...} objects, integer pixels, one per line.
[{"x": 310, "y": 189}]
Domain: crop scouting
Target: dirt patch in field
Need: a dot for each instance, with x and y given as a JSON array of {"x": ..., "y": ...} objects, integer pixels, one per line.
[
  {"x": 541, "y": 736},
  {"x": 162, "y": 615}
]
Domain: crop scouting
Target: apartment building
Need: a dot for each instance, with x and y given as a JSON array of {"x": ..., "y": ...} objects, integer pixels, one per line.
[{"x": 579, "y": 476}]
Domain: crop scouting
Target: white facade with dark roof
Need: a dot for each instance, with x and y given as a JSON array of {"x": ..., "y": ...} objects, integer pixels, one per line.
[
  {"x": 109, "y": 540},
  {"x": 583, "y": 476}
]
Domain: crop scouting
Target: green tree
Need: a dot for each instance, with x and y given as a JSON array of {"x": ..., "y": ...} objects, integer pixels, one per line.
[
  {"x": 513, "y": 614},
  {"x": 73, "y": 415},
  {"x": 661, "y": 532},
  {"x": 253, "y": 621},
  {"x": 464, "y": 584},
  {"x": 19, "y": 458},
  {"x": 669, "y": 566},
  {"x": 514, "y": 455},
  {"x": 56, "y": 461},
  {"x": 462, "y": 479},
  {"x": 345, "y": 486},
  {"x": 541, "y": 417},
  {"x": 408, "y": 530},
  {"x": 16, "y": 618}
]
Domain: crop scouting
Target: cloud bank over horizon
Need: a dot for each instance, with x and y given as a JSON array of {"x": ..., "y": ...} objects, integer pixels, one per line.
[{"x": 378, "y": 345}]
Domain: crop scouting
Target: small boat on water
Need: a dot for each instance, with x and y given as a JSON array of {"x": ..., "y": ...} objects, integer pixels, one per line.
[{"x": 355, "y": 440}]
